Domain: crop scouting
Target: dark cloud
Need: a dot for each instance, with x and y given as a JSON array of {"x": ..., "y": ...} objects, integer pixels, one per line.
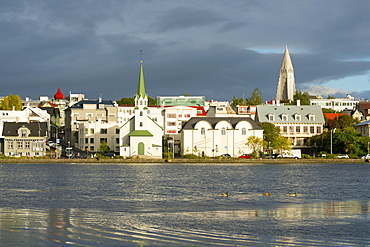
[
  {"x": 187, "y": 17},
  {"x": 199, "y": 47}
]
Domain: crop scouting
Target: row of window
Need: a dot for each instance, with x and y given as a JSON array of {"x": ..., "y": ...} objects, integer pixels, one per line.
[
  {"x": 174, "y": 115},
  {"x": 301, "y": 129},
  {"x": 102, "y": 131},
  {"x": 92, "y": 140},
  {"x": 36, "y": 145},
  {"x": 223, "y": 131},
  {"x": 297, "y": 117}
]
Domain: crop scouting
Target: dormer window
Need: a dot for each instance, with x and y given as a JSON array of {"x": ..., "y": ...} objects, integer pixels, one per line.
[
  {"x": 284, "y": 117},
  {"x": 271, "y": 117},
  {"x": 298, "y": 117},
  {"x": 223, "y": 131},
  {"x": 23, "y": 133},
  {"x": 311, "y": 117},
  {"x": 202, "y": 131}
]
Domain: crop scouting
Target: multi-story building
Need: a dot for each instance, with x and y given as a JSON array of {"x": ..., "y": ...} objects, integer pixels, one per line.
[
  {"x": 338, "y": 104},
  {"x": 296, "y": 122},
  {"x": 87, "y": 111},
  {"x": 25, "y": 139}
]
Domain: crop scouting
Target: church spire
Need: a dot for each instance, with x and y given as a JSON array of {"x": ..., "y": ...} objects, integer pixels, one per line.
[
  {"x": 286, "y": 84},
  {"x": 141, "y": 84}
]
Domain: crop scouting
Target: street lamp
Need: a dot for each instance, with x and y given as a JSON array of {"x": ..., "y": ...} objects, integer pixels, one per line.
[{"x": 331, "y": 140}]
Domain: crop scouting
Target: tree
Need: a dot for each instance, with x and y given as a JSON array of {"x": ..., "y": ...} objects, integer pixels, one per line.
[
  {"x": 304, "y": 98},
  {"x": 273, "y": 139},
  {"x": 256, "y": 98},
  {"x": 11, "y": 101},
  {"x": 256, "y": 144},
  {"x": 104, "y": 147},
  {"x": 131, "y": 101},
  {"x": 237, "y": 101},
  {"x": 344, "y": 121}
]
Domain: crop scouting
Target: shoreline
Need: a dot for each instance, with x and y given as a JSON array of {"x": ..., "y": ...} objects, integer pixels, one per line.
[{"x": 176, "y": 161}]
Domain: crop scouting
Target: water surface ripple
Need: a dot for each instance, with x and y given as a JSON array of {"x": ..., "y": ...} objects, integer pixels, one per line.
[{"x": 180, "y": 205}]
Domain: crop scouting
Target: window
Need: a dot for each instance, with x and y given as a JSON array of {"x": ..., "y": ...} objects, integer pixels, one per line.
[
  {"x": 305, "y": 129},
  {"x": 141, "y": 113},
  {"x": 86, "y": 140},
  {"x": 285, "y": 129},
  {"x": 311, "y": 117},
  {"x": 291, "y": 129},
  {"x": 171, "y": 131},
  {"x": 86, "y": 131},
  {"x": 171, "y": 115},
  {"x": 171, "y": 123},
  {"x": 24, "y": 133},
  {"x": 20, "y": 144},
  {"x": 104, "y": 131},
  {"x": 141, "y": 124},
  {"x": 312, "y": 129},
  {"x": 117, "y": 131},
  {"x": 91, "y": 148},
  {"x": 298, "y": 117},
  {"x": 298, "y": 129},
  {"x": 244, "y": 131},
  {"x": 117, "y": 140},
  {"x": 318, "y": 129},
  {"x": 271, "y": 117},
  {"x": 91, "y": 131},
  {"x": 223, "y": 131},
  {"x": 103, "y": 140},
  {"x": 27, "y": 144},
  {"x": 284, "y": 117},
  {"x": 202, "y": 131},
  {"x": 91, "y": 140},
  {"x": 10, "y": 145}
]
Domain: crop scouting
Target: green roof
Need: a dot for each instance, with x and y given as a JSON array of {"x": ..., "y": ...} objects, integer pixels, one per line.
[
  {"x": 140, "y": 133},
  {"x": 141, "y": 84}
]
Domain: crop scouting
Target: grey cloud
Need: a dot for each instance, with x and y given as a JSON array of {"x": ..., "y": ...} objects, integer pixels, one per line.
[{"x": 187, "y": 17}]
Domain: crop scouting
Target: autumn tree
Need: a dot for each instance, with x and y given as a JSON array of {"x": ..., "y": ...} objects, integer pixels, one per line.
[
  {"x": 11, "y": 101},
  {"x": 256, "y": 144},
  {"x": 344, "y": 121}
]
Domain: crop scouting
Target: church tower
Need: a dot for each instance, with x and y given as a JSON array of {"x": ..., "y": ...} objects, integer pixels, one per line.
[
  {"x": 141, "y": 102},
  {"x": 286, "y": 84}
]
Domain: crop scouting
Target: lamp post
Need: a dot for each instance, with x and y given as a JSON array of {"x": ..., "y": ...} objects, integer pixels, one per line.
[{"x": 331, "y": 140}]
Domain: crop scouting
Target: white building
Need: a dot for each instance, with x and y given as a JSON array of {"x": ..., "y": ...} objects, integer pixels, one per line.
[
  {"x": 338, "y": 104},
  {"x": 213, "y": 136},
  {"x": 141, "y": 136}
]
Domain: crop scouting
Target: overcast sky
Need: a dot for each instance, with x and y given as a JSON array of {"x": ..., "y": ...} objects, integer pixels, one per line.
[{"x": 213, "y": 48}]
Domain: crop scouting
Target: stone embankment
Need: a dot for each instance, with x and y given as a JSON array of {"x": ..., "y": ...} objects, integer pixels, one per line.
[{"x": 177, "y": 161}]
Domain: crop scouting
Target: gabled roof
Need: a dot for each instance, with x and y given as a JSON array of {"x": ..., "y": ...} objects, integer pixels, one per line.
[
  {"x": 363, "y": 123},
  {"x": 141, "y": 133},
  {"x": 263, "y": 112},
  {"x": 11, "y": 129},
  {"x": 214, "y": 120}
]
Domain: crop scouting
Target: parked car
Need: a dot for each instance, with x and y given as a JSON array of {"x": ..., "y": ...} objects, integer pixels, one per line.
[
  {"x": 366, "y": 157},
  {"x": 226, "y": 156},
  {"x": 110, "y": 155},
  {"x": 343, "y": 156},
  {"x": 245, "y": 156}
]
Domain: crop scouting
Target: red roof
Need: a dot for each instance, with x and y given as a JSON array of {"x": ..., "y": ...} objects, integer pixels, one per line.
[
  {"x": 59, "y": 94},
  {"x": 333, "y": 116}
]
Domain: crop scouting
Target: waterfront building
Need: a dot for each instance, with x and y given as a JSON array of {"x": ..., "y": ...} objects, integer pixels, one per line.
[
  {"x": 141, "y": 136},
  {"x": 296, "y": 122},
  {"x": 286, "y": 84},
  {"x": 337, "y": 104},
  {"x": 25, "y": 139},
  {"x": 363, "y": 128},
  {"x": 214, "y": 136}
]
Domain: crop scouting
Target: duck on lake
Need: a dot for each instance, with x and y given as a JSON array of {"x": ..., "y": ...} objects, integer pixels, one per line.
[
  {"x": 292, "y": 194},
  {"x": 225, "y": 194}
]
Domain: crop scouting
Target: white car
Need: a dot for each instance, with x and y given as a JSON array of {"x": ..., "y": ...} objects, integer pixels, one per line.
[
  {"x": 343, "y": 156},
  {"x": 366, "y": 157}
]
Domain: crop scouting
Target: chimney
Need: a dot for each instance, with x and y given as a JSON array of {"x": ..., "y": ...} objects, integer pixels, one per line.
[{"x": 298, "y": 102}]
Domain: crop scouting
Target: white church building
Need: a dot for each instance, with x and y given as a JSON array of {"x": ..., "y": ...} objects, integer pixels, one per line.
[{"x": 141, "y": 136}]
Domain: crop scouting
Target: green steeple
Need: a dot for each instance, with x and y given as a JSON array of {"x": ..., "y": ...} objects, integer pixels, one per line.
[{"x": 141, "y": 84}]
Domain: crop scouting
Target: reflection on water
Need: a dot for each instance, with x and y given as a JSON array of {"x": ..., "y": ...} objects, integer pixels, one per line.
[{"x": 179, "y": 205}]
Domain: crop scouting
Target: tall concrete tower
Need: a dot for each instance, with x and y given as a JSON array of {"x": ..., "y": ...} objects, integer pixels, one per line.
[{"x": 286, "y": 85}]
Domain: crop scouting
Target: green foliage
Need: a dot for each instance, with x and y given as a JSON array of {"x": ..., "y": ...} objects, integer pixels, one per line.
[
  {"x": 272, "y": 139},
  {"x": 303, "y": 97},
  {"x": 256, "y": 98},
  {"x": 256, "y": 144},
  {"x": 131, "y": 101},
  {"x": 325, "y": 110},
  {"x": 104, "y": 147},
  {"x": 346, "y": 140},
  {"x": 11, "y": 101},
  {"x": 344, "y": 121},
  {"x": 331, "y": 97},
  {"x": 237, "y": 101}
]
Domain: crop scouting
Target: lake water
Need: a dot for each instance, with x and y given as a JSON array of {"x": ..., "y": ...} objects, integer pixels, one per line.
[{"x": 180, "y": 205}]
